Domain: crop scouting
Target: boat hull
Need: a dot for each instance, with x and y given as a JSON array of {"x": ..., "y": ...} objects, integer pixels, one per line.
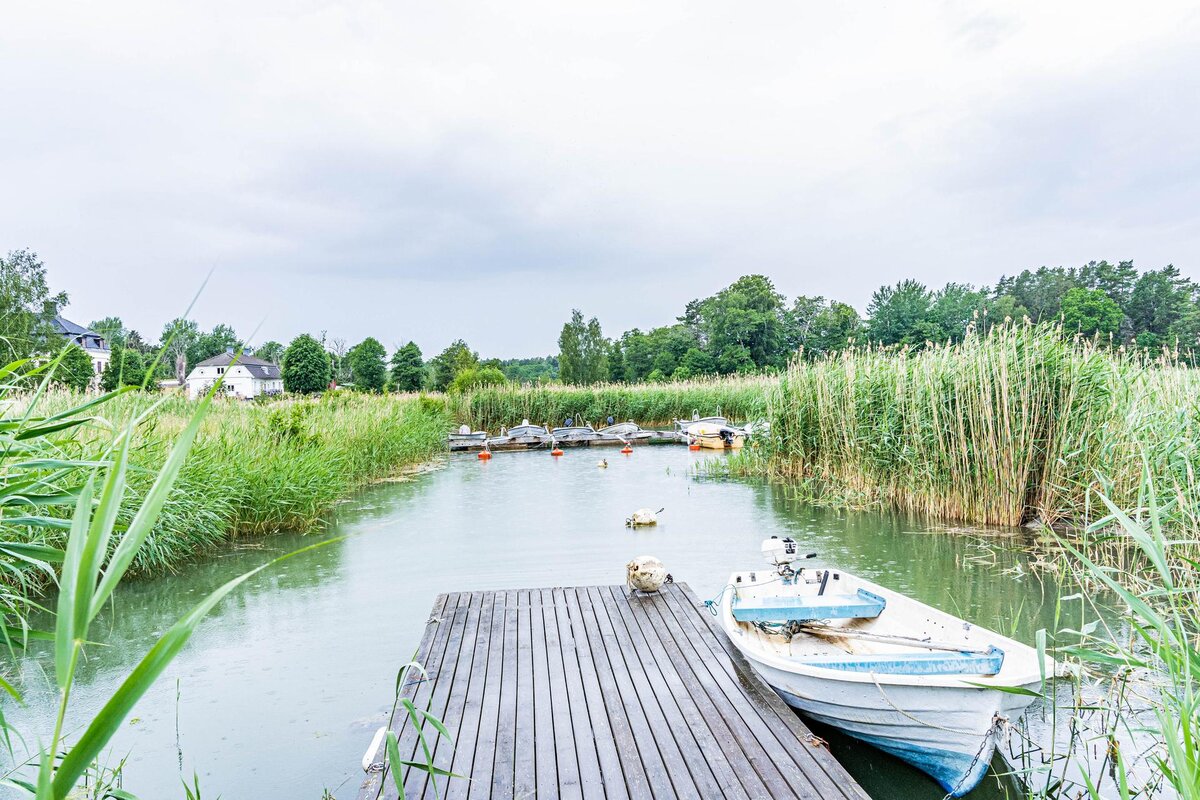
[
  {"x": 901, "y": 676},
  {"x": 950, "y": 734}
]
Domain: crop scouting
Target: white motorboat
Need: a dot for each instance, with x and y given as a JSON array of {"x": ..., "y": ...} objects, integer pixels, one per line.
[
  {"x": 916, "y": 682},
  {"x": 465, "y": 434},
  {"x": 573, "y": 433},
  {"x": 525, "y": 429}
]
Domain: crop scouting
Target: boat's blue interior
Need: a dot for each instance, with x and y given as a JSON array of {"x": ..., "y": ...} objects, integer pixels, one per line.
[
  {"x": 782, "y": 609},
  {"x": 931, "y": 663}
]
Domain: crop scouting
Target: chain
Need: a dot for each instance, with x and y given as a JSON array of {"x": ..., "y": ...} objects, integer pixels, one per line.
[{"x": 998, "y": 722}]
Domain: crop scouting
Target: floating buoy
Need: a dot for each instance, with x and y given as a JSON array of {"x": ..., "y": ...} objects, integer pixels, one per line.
[
  {"x": 643, "y": 517},
  {"x": 646, "y": 574},
  {"x": 484, "y": 455},
  {"x": 693, "y": 444},
  {"x": 556, "y": 452},
  {"x": 627, "y": 449}
]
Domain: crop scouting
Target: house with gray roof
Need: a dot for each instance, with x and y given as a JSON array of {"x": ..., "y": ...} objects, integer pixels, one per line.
[
  {"x": 243, "y": 376},
  {"x": 92, "y": 343}
]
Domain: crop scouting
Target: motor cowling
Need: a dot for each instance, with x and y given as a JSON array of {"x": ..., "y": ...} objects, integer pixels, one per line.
[{"x": 779, "y": 552}]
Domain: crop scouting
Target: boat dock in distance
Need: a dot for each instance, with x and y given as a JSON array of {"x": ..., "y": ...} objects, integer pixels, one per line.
[
  {"x": 586, "y": 692},
  {"x": 536, "y": 441}
]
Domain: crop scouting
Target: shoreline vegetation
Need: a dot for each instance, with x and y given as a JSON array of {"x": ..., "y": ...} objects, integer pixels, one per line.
[
  {"x": 1020, "y": 424},
  {"x": 253, "y": 468},
  {"x": 1016, "y": 423}
]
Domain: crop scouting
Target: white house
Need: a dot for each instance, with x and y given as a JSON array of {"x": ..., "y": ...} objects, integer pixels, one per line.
[
  {"x": 92, "y": 343},
  {"x": 244, "y": 376}
]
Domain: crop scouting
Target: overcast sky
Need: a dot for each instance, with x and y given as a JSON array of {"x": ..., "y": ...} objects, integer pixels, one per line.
[{"x": 442, "y": 169}]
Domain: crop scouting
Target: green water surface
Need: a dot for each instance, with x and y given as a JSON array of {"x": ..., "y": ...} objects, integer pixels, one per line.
[{"x": 279, "y": 693}]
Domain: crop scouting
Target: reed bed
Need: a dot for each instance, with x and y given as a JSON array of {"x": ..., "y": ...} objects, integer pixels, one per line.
[
  {"x": 739, "y": 398},
  {"x": 1016, "y": 425},
  {"x": 255, "y": 468}
]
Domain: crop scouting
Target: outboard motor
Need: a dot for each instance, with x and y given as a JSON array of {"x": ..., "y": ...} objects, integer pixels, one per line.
[{"x": 780, "y": 553}]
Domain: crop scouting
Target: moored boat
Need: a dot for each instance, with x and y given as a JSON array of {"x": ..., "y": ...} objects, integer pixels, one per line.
[
  {"x": 916, "y": 682},
  {"x": 713, "y": 432},
  {"x": 573, "y": 433},
  {"x": 465, "y": 434},
  {"x": 525, "y": 429},
  {"x": 621, "y": 429}
]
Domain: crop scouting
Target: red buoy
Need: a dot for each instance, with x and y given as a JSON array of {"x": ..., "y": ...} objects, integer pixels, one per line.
[
  {"x": 484, "y": 455},
  {"x": 556, "y": 452},
  {"x": 626, "y": 449},
  {"x": 693, "y": 446}
]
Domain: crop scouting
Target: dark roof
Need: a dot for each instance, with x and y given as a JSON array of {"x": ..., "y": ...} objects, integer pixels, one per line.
[
  {"x": 82, "y": 336},
  {"x": 258, "y": 367}
]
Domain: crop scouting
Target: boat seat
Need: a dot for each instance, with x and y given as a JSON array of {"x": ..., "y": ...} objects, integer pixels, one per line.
[
  {"x": 931, "y": 663},
  {"x": 863, "y": 605}
]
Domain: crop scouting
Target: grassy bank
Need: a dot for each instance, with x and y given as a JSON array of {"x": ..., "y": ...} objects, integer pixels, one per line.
[
  {"x": 742, "y": 399},
  {"x": 1015, "y": 425},
  {"x": 253, "y": 468}
]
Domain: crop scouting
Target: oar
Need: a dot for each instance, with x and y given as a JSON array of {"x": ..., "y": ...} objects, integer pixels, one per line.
[{"x": 886, "y": 638}]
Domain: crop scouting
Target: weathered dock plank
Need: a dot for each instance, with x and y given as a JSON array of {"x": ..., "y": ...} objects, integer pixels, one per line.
[{"x": 584, "y": 692}]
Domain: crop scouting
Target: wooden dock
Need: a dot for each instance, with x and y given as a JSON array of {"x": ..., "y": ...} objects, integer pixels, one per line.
[
  {"x": 587, "y": 693},
  {"x": 504, "y": 444}
]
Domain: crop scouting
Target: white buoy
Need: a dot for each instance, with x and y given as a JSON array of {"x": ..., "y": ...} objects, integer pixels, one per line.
[
  {"x": 642, "y": 517},
  {"x": 645, "y": 574},
  {"x": 369, "y": 756}
]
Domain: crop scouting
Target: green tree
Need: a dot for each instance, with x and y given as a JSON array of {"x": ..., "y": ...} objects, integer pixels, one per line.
[
  {"x": 1091, "y": 312},
  {"x": 955, "y": 307},
  {"x": 1040, "y": 293},
  {"x": 270, "y": 351},
  {"x": 696, "y": 362},
  {"x": 1115, "y": 280},
  {"x": 1159, "y": 301},
  {"x": 76, "y": 369},
  {"x": 133, "y": 368},
  {"x": 26, "y": 307},
  {"x": 475, "y": 377},
  {"x": 368, "y": 365},
  {"x": 581, "y": 351},
  {"x": 834, "y": 328},
  {"x": 111, "y": 378},
  {"x": 615, "y": 361},
  {"x": 451, "y": 361},
  {"x": 305, "y": 366},
  {"x": 747, "y": 315},
  {"x": 221, "y": 339},
  {"x": 900, "y": 314},
  {"x": 113, "y": 330},
  {"x": 178, "y": 337},
  {"x": 408, "y": 371}
]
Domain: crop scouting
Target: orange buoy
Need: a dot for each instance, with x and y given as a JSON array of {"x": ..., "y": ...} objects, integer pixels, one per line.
[
  {"x": 556, "y": 452},
  {"x": 626, "y": 449},
  {"x": 484, "y": 455},
  {"x": 693, "y": 445}
]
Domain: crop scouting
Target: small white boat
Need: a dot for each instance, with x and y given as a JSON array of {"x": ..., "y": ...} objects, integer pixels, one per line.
[
  {"x": 713, "y": 432},
  {"x": 621, "y": 429},
  {"x": 915, "y": 682},
  {"x": 573, "y": 433},
  {"x": 465, "y": 434},
  {"x": 525, "y": 429}
]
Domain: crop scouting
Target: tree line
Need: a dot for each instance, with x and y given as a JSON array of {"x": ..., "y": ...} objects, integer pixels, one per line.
[
  {"x": 746, "y": 327},
  {"x": 750, "y": 327}
]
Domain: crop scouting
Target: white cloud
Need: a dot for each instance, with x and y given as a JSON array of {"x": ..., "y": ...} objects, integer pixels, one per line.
[{"x": 368, "y": 168}]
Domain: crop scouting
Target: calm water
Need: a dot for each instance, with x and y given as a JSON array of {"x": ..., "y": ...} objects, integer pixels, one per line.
[{"x": 279, "y": 693}]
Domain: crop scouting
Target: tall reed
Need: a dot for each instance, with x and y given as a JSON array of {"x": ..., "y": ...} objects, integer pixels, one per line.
[
  {"x": 1017, "y": 424},
  {"x": 740, "y": 398},
  {"x": 253, "y": 468}
]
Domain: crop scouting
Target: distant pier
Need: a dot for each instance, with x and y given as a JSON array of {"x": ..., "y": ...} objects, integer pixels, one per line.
[
  {"x": 584, "y": 692},
  {"x": 499, "y": 444}
]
